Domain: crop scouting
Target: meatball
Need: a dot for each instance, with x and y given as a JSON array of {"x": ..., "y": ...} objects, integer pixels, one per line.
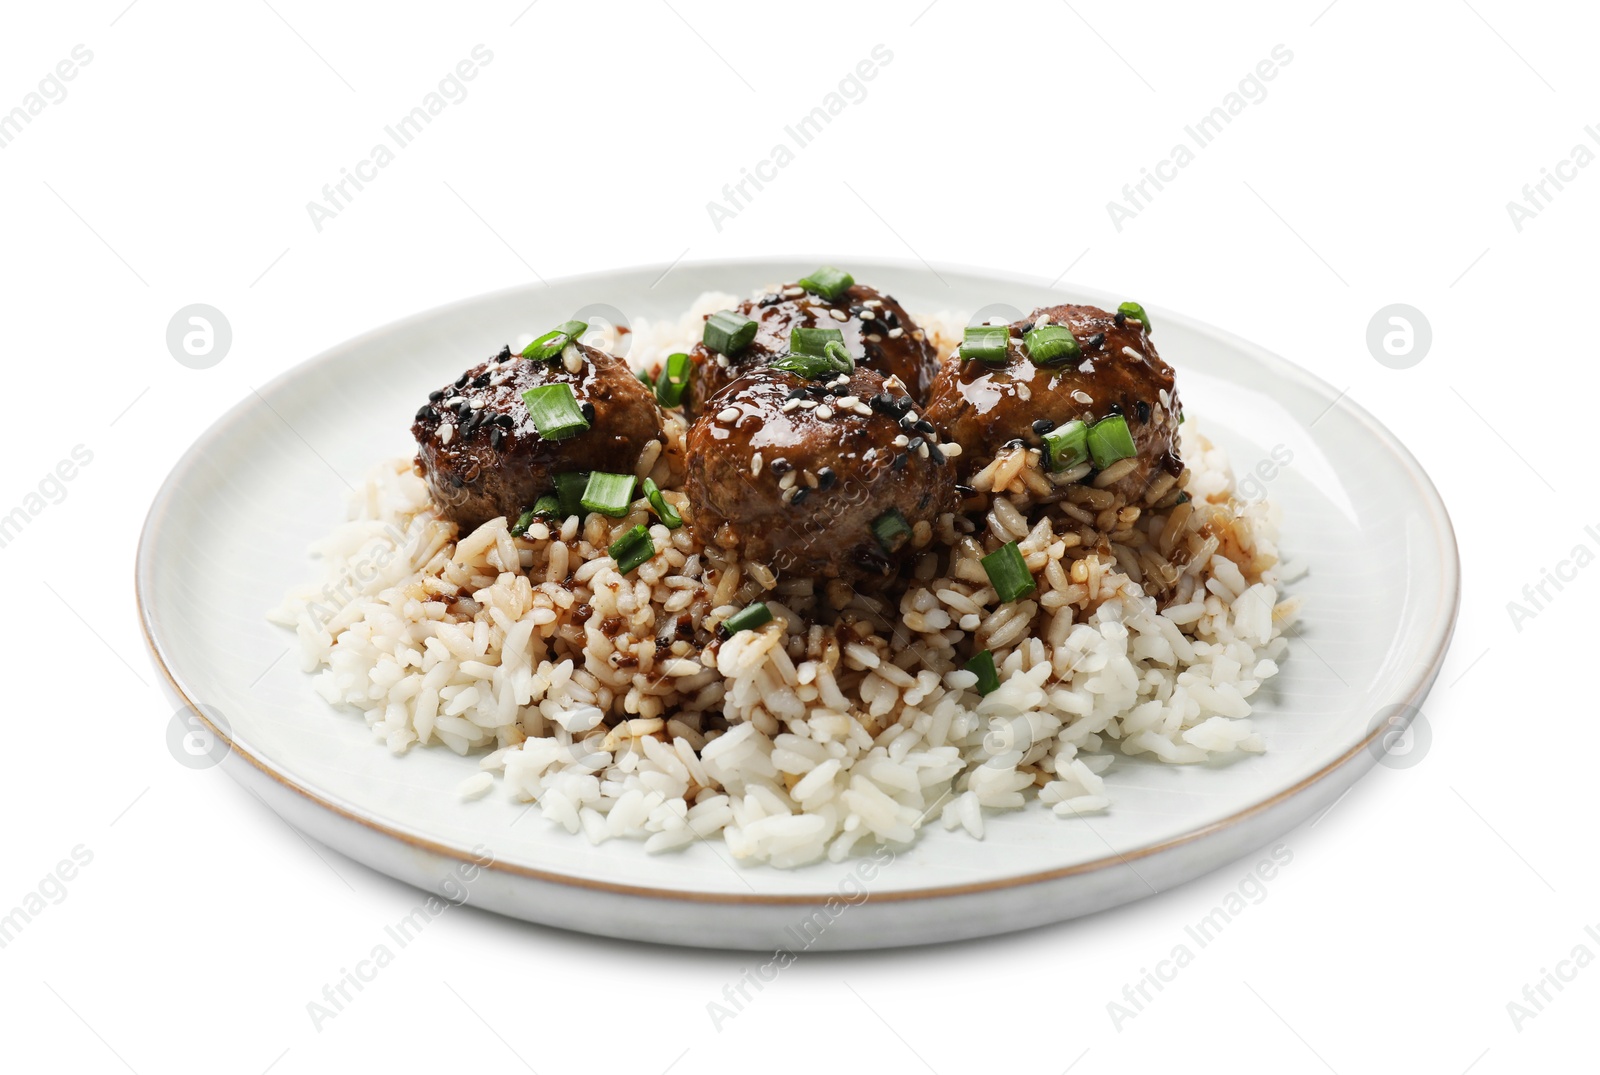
[
  {"x": 875, "y": 329},
  {"x": 482, "y": 455},
  {"x": 984, "y": 407},
  {"x": 796, "y": 473}
]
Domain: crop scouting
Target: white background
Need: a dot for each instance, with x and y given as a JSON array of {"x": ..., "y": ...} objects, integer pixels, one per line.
[{"x": 1376, "y": 170}]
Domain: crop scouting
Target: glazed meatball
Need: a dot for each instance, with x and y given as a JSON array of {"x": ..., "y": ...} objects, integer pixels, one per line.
[
  {"x": 482, "y": 455},
  {"x": 795, "y": 472},
  {"x": 875, "y": 329},
  {"x": 984, "y": 407}
]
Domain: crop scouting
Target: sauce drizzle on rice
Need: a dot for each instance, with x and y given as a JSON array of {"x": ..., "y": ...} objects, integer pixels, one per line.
[{"x": 849, "y": 719}]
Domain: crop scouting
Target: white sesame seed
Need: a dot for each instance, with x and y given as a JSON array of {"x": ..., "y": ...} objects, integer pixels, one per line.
[
  {"x": 838, "y": 315},
  {"x": 863, "y": 410},
  {"x": 867, "y": 315},
  {"x": 807, "y": 404},
  {"x": 919, "y": 335},
  {"x": 824, "y": 412},
  {"x": 755, "y": 464},
  {"x": 1165, "y": 399},
  {"x": 1081, "y": 396},
  {"x": 1043, "y": 319},
  {"x": 952, "y": 449},
  {"x": 1131, "y": 353},
  {"x": 572, "y": 358},
  {"x": 447, "y": 432},
  {"x": 873, "y": 337},
  {"x": 873, "y": 302},
  {"x": 791, "y": 406},
  {"x": 793, "y": 292},
  {"x": 846, "y": 401},
  {"x": 901, "y": 441},
  {"x": 722, "y": 360},
  {"x": 896, "y": 332},
  {"x": 728, "y": 414},
  {"x": 476, "y": 404},
  {"x": 1024, "y": 392},
  {"x": 787, "y": 481},
  {"x": 811, "y": 480},
  {"x": 922, "y": 449}
]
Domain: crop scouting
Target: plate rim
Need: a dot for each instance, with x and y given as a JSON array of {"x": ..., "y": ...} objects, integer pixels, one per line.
[{"x": 1414, "y": 688}]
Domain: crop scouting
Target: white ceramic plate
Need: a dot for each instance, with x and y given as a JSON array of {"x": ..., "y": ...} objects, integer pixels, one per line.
[{"x": 227, "y": 533}]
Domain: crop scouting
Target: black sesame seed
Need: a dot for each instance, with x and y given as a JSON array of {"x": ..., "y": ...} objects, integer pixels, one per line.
[
  {"x": 1025, "y": 328},
  {"x": 888, "y": 318},
  {"x": 424, "y": 414},
  {"x": 463, "y": 410},
  {"x": 826, "y": 478},
  {"x": 882, "y": 402},
  {"x": 770, "y": 300},
  {"x": 1043, "y": 426},
  {"x": 935, "y": 454},
  {"x": 800, "y": 494},
  {"x": 780, "y": 467},
  {"x": 924, "y": 426},
  {"x": 505, "y": 421},
  {"x": 497, "y": 438},
  {"x": 840, "y": 390},
  {"x": 1096, "y": 340},
  {"x": 436, "y": 396},
  {"x": 855, "y": 311},
  {"x": 504, "y": 355},
  {"x": 915, "y": 443},
  {"x": 1144, "y": 410},
  {"x": 1119, "y": 319},
  {"x": 588, "y": 411},
  {"x": 481, "y": 381},
  {"x": 1115, "y": 408},
  {"x": 796, "y": 393},
  {"x": 899, "y": 462},
  {"x": 461, "y": 382}
]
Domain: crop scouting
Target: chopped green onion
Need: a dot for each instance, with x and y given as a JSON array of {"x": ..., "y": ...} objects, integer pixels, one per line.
[
  {"x": 810, "y": 367},
  {"x": 609, "y": 494},
  {"x": 546, "y": 507},
  {"x": 632, "y": 549},
  {"x": 728, "y": 333},
  {"x": 1135, "y": 311},
  {"x": 645, "y": 378},
  {"x": 839, "y": 357},
  {"x": 1009, "y": 573},
  {"x": 1049, "y": 345},
  {"x": 813, "y": 341},
  {"x": 555, "y": 411},
  {"x": 555, "y": 341},
  {"x": 891, "y": 530},
  {"x": 983, "y": 667},
  {"x": 986, "y": 343},
  {"x": 747, "y": 619},
  {"x": 828, "y": 282},
  {"x": 1067, "y": 445},
  {"x": 673, "y": 384},
  {"x": 664, "y": 511},
  {"x": 1109, "y": 441},
  {"x": 569, "y": 492}
]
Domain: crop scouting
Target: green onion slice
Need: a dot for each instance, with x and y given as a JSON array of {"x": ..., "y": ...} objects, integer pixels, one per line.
[
  {"x": 1009, "y": 573},
  {"x": 546, "y": 507},
  {"x": 632, "y": 549},
  {"x": 1050, "y": 345},
  {"x": 1067, "y": 445},
  {"x": 673, "y": 384},
  {"x": 891, "y": 530},
  {"x": 747, "y": 619},
  {"x": 813, "y": 341},
  {"x": 664, "y": 511},
  {"x": 728, "y": 332},
  {"x": 1109, "y": 441},
  {"x": 555, "y": 411},
  {"x": 609, "y": 494},
  {"x": 1135, "y": 311},
  {"x": 569, "y": 492},
  {"x": 555, "y": 341},
  {"x": 645, "y": 378},
  {"x": 828, "y": 282},
  {"x": 985, "y": 343},
  {"x": 983, "y": 667},
  {"x": 812, "y": 367},
  {"x": 838, "y": 357}
]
